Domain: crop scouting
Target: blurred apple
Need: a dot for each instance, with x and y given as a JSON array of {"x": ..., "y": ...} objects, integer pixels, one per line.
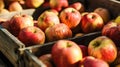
[
  {"x": 47, "y": 19},
  {"x": 2, "y": 4},
  {"x": 84, "y": 50},
  {"x": 18, "y": 22},
  {"x": 34, "y": 3},
  {"x": 15, "y": 6},
  {"x": 71, "y": 17},
  {"x": 66, "y": 53},
  {"x": 57, "y": 32},
  {"x": 117, "y": 20},
  {"x": 58, "y": 4},
  {"x": 104, "y": 13},
  {"x": 46, "y": 59},
  {"x": 5, "y": 24},
  {"x": 91, "y": 22},
  {"x": 90, "y": 61},
  {"x": 4, "y": 11},
  {"x": 32, "y": 36},
  {"x": 78, "y": 6},
  {"x": 103, "y": 48}
]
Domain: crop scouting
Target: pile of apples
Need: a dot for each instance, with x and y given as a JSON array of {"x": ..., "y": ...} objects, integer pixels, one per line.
[
  {"x": 100, "y": 52},
  {"x": 7, "y": 6}
]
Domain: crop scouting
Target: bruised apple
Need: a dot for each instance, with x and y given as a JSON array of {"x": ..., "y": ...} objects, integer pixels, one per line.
[
  {"x": 91, "y": 22},
  {"x": 58, "y": 4},
  {"x": 71, "y": 17},
  {"x": 90, "y": 61},
  {"x": 47, "y": 19},
  {"x": 66, "y": 53},
  {"x": 18, "y": 22},
  {"x": 103, "y": 48},
  {"x": 31, "y": 36},
  {"x": 57, "y": 32}
]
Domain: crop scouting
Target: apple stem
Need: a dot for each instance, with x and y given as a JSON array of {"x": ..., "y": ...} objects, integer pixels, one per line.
[{"x": 68, "y": 44}]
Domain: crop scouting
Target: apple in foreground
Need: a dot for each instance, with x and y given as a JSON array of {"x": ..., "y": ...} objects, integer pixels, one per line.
[
  {"x": 103, "y": 48},
  {"x": 46, "y": 59},
  {"x": 57, "y": 32},
  {"x": 32, "y": 36},
  {"x": 58, "y": 4},
  {"x": 71, "y": 17},
  {"x": 47, "y": 19},
  {"x": 104, "y": 13},
  {"x": 84, "y": 50},
  {"x": 66, "y": 53},
  {"x": 91, "y": 22},
  {"x": 90, "y": 61},
  {"x": 18, "y": 22}
]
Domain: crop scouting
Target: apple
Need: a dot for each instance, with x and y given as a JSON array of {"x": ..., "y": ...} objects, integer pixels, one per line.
[
  {"x": 34, "y": 3},
  {"x": 66, "y": 53},
  {"x": 111, "y": 30},
  {"x": 47, "y": 19},
  {"x": 103, "y": 48},
  {"x": 4, "y": 11},
  {"x": 15, "y": 6},
  {"x": 58, "y": 4},
  {"x": 90, "y": 61},
  {"x": 84, "y": 50},
  {"x": 91, "y": 22},
  {"x": 71, "y": 17},
  {"x": 20, "y": 21},
  {"x": 5, "y": 24},
  {"x": 104, "y": 13},
  {"x": 117, "y": 20},
  {"x": 78, "y": 6},
  {"x": 31, "y": 35},
  {"x": 2, "y": 4},
  {"x": 46, "y": 59},
  {"x": 54, "y": 11},
  {"x": 57, "y": 32}
]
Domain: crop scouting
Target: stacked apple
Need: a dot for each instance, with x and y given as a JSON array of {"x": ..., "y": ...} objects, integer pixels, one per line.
[{"x": 100, "y": 52}]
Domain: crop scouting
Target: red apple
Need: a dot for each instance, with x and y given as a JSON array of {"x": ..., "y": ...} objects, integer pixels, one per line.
[
  {"x": 58, "y": 4},
  {"x": 34, "y": 3},
  {"x": 103, "y": 48},
  {"x": 31, "y": 36},
  {"x": 104, "y": 13},
  {"x": 78, "y": 6},
  {"x": 90, "y": 61},
  {"x": 71, "y": 17},
  {"x": 84, "y": 50},
  {"x": 46, "y": 59},
  {"x": 111, "y": 30},
  {"x": 47, "y": 19},
  {"x": 18, "y": 22},
  {"x": 91, "y": 22},
  {"x": 66, "y": 53},
  {"x": 57, "y": 32},
  {"x": 15, "y": 6}
]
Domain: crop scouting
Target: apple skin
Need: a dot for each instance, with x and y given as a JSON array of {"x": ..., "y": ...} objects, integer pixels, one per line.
[
  {"x": 84, "y": 50},
  {"x": 46, "y": 59},
  {"x": 104, "y": 13},
  {"x": 2, "y": 4},
  {"x": 57, "y": 32},
  {"x": 18, "y": 22},
  {"x": 3, "y": 11},
  {"x": 58, "y": 4},
  {"x": 15, "y": 6},
  {"x": 90, "y": 61},
  {"x": 47, "y": 19},
  {"x": 78, "y": 6},
  {"x": 66, "y": 53},
  {"x": 34, "y": 3},
  {"x": 91, "y": 22},
  {"x": 71, "y": 17},
  {"x": 32, "y": 36},
  {"x": 111, "y": 30},
  {"x": 103, "y": 48}
]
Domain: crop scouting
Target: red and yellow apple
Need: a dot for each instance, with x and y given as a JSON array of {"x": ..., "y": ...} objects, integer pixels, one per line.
[
  {"x": 103, "y": 48},
  {"x": 47, "y": 19},
  {"x": 71, "y": 17},
  {"x": 31, "y": 36},
  {"x": 18, "y": 22},
  {"x": 66, "y": 53},
  {"x": 90, "y": 61},
  {"x": 57, "y": 32},
  {"x": 91, "y": 22}
]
